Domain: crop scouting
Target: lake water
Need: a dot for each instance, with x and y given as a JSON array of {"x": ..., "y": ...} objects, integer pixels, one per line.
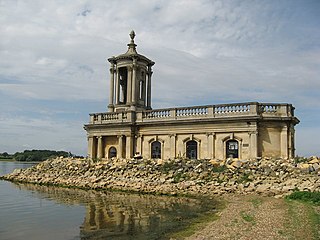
[{"x": 38, "y": 212}]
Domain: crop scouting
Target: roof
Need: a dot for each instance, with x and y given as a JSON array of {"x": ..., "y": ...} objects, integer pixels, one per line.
[{"x": 131, "y": 53}]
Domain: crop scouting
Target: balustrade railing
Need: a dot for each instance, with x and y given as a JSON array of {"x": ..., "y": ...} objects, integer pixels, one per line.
[
  {"x": 108, "y": 117},
  {"x": 191, "y": 111},
  {"x": 232, "y": 108},
  {"x": 269, "y": 108},
  {"x": 209, "y": 111},
  {"x": 156, "y": 114}
]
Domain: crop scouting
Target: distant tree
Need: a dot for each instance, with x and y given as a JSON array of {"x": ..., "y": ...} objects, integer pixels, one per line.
[
  {"x": 5, "y": 154},
  {"x": 38, "y": 155}
]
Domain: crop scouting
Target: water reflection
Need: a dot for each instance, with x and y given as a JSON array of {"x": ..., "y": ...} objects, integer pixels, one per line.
[{"x": 115, "y": 215}]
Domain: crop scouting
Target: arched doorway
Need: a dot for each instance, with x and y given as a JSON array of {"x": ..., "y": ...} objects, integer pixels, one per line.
[
  {"x": 112, "y": 152},
  {"x": 192, "y": 149},
  {"x": 156, "y": 149},
  {"x": 232, "y": 149}
]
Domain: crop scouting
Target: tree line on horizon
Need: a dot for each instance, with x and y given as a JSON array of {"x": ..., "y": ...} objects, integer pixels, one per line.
[{"x": 36, "y": 155}]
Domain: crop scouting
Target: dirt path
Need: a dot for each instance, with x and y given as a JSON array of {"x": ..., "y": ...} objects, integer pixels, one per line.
[{"x": 256, "y": 217}]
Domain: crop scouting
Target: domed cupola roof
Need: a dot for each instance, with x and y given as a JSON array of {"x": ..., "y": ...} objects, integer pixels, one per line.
[{"x": 131, "y": 53}]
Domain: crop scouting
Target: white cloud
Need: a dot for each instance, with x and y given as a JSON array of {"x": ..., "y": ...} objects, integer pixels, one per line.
[{"x": 212, "y": 51}]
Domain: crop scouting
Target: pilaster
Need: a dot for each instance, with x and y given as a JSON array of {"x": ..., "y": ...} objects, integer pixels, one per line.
[
  {"x": 100, "y": 150},
  {"x": 210, "y": 145},
  {"x": 173, "y": 146},
  {"x": 120, "y": 144},
  {"x": 90, "y": 147},
  {"x": 129, "y": 148},
  {"x": 284, "y": 142},
  {"x": 139, "y": 144},
  {"x": 253, "y": 144}
]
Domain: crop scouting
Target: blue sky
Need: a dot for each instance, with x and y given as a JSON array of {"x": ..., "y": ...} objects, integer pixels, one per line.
[{"x": 53, "y": 68}]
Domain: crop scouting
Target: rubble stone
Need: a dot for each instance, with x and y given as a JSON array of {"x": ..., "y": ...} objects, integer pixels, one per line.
[{"x": 270, "y": 177}]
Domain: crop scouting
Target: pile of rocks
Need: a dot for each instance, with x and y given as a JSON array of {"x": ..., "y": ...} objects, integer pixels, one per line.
[{"x": 272, "y": 177}]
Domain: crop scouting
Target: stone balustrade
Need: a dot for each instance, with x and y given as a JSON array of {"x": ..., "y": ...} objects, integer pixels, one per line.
[
  {"x": 96, "y": 118},
  {"x": 196, "y": 112}
]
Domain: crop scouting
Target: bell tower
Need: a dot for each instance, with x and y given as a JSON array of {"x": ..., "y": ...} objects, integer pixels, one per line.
[{"x": 130, "y": 80}]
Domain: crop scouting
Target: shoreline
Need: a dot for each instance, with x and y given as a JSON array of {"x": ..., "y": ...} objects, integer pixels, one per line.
[{"x": 183, "y": 177}]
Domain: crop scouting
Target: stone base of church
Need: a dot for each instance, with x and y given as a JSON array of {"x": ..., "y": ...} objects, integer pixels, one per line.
[{"x": 243, "y": 130}]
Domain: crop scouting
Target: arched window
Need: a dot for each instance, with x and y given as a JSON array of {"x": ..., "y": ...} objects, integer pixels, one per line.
[
  {"x": 192, "y": 149},
  {"x": 112, "y": 152},
  {"x": 232, "y": 149},
  {"x": 156, "y": 149}
]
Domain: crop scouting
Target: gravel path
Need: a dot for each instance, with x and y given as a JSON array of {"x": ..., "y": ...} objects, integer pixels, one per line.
[{"x": 256, "y": 217}]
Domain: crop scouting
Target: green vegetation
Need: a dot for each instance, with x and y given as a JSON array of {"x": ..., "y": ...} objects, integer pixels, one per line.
[
  {"x": 35, "y": 155},
  {"x": 256, "y": 202},
  {"x": 311, "y": 204},
  {"x": 244, "y": 178},
  {"x": 247, "y": 217},
  {"x": 304, "y": 196},
  {"x": 298, "y": 159},
  {"x": 5, "y": 156},
  {"x": 219, "y": 169}
]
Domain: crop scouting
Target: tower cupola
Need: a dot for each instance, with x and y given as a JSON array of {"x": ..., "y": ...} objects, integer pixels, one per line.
[{"x": 130, "y": 80}]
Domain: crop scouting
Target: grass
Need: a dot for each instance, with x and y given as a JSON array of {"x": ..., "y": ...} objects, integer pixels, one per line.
[
  {"x": 311, "y": 204},
  {"x": 219, "y": 169},
  {"x": 256, "y": 202},
  {"x": 244, "y": 178},
  {"x": 305, "y": 196},
  {"x": 247, "y": 217},
  {"x": 6, "y": 159}
]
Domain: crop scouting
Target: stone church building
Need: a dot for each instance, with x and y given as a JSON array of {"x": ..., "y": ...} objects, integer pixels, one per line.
[{"x": 131, "y": 126}]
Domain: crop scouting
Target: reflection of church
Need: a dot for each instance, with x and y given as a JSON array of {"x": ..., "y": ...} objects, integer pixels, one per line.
[{"x": 240, "y": 130}]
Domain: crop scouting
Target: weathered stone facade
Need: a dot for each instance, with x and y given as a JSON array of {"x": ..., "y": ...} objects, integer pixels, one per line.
[{"x": 131, "y": 127}]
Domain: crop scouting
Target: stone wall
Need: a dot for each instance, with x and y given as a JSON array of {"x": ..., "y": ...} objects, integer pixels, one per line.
[{"x": 272, "y": 177}]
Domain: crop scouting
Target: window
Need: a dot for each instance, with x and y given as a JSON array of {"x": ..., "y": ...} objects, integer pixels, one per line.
[
  {"x": 192, "y": 149},
  {"x": 156, "y": 149},
  {"x": 112, "y": 152},
  {"x": 232, "y": 149}
]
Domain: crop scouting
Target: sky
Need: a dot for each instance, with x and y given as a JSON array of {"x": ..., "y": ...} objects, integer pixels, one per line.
[{"x": 54, "y": 69}]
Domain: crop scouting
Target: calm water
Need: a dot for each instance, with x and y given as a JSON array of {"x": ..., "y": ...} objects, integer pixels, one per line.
[{"x": 38, "y": 212}]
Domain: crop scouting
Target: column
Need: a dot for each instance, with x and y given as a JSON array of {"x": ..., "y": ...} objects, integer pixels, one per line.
[
  {"x": 90, "y": 147},
  {"x": 134, "y": 83},
  {"x": 291, "y": 142},
  {"x": 111, "y": 93},
  {"x": 120, "y": 143},
  {"x": 129, "y": 88},
  {"x": 149, "y": 88},
  {"x": 284, "y": 142},
  {"x": 99, "y": 154},
  {"x": 117, "y": 86},
  {"x": 199, "y": 150},
  {"x": 253, "y": 144},
  {"x": 128, "y": 147}
]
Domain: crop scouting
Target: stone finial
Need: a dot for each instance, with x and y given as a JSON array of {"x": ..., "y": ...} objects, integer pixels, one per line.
[
  {"x": 132, "y": 45},
  {"x": 132, "y": 35}
]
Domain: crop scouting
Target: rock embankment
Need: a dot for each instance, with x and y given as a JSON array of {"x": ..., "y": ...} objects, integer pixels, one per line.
[{"x": 271, "y": 177}]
